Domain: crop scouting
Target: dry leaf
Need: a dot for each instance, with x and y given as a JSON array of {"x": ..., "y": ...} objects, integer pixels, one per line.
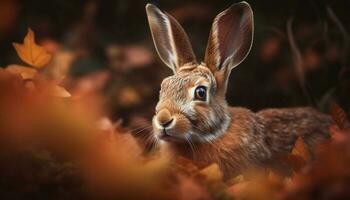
[
  {"x": 31, "y": 53},
  {"x": 212, "y": 173},
  {"x": 59, "y": 91},
  {"x": 235, "y": 180},
  {"x": 299, "y": 156},
  {"x": 339, "y": 115},
  {"x": 301, "y": 149},
  {"x": 237, "y": 190},
  {"x": 24, "y": 72}
]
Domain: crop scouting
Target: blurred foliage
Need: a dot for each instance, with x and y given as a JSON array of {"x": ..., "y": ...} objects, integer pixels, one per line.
[{"x": 64, "y": 148}]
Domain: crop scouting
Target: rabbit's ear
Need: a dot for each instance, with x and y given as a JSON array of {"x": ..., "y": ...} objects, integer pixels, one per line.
[
  {"x": 170, "y": 39},
  {"x": 230, "y": 39}
]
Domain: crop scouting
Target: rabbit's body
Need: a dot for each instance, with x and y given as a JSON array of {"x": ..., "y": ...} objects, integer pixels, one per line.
[
  {"x": 192, "y": 116},
  {"x": 256, "y": 139}
]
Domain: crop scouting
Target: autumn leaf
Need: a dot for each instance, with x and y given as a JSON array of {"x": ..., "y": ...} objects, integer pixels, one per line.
[
  {"x": 31, "y": 53},
  {"x": 212, "y": 173},
  {"x": 235, "y": 180},
  {"x": 299, "y": 156},
  {"x": 339, "y": 115},
  {"x": 301, "y": 149},
  {"x": 59, "y": 91},
  {"x": 24, "y": 72}
]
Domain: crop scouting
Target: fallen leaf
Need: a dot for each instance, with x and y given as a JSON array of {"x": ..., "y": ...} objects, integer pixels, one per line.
[
  {"x": 237, "y": 190},
  {"x": 235, "y": 180},
  {"x": 24, "y": 72},
  {"x": 299, "y": 156},
  {"x": 31, "y": 53},
  {"x": 339, "y": 115},
  {"x": 212, "y": 173},
  {"x": 301, "y": 149},
  {"x": 59, "y": 91}
]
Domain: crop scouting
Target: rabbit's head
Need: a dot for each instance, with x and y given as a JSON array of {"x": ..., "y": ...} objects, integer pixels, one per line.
[{"x": 192, "y": 105}]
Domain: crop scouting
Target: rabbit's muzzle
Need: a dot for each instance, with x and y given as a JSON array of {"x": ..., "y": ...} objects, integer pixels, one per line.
[{"x": 170, "y": 127}]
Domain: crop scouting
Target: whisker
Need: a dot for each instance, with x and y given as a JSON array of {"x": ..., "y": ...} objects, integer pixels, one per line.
[
  {"x": 141, "y": 130},
  {"x": 191, "y": 146},
  {"x": 151, "y": 142},
  {"x": 140, "y": 127}
]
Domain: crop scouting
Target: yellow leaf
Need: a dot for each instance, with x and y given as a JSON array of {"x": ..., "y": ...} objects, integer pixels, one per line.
[
  {"x": 301, "y": 149},
  {"x": 212, "y": 173},
  {"x": 25, "y": 72},
  {"x": 31, "y": 53},
  {"x": 59, "y": 91},
  {"x": 235, "y": 180}
]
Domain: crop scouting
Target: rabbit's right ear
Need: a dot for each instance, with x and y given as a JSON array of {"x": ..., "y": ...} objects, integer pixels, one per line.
[
  {"x": 170, "y": 39},
  {"x": 230, "y": 40}
]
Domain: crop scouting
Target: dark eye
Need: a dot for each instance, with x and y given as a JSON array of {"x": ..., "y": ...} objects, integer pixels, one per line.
[{"x": 200, "y": 93}]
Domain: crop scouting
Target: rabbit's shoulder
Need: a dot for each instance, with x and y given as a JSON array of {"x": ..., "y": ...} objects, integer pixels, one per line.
[{"x": 245, "y": 123}]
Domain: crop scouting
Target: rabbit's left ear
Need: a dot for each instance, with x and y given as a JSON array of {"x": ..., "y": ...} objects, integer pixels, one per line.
[
  {"x": 170, "y": 39},
  {"x": 230, "y": 40}
]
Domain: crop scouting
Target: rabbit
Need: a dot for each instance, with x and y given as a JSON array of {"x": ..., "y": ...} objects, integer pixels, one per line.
[{"x": 192, "y": 117}]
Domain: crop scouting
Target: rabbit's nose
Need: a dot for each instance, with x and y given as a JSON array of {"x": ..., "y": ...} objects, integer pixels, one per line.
[{"x": 164, "y": 118}]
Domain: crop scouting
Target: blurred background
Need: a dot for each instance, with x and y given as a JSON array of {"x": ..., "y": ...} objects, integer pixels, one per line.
[{"x": 300, "y": 54}]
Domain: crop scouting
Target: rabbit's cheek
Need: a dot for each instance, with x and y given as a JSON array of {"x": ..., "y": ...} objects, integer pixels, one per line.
[{"x": 180, "y": 128}]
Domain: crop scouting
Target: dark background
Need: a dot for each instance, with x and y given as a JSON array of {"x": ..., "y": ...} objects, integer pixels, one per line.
[{"x": 112, "y": 48}]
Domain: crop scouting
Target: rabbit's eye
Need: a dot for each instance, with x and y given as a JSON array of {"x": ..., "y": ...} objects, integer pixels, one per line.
[{"x": 200, "y": 93}]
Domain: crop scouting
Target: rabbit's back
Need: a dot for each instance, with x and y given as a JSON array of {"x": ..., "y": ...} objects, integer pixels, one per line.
[{"x": 284, "y": 126}]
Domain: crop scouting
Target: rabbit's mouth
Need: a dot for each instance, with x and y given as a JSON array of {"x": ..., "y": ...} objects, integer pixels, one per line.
[
  {"x": 174, "y": 130},
  {"x": 165, "y": 136}
]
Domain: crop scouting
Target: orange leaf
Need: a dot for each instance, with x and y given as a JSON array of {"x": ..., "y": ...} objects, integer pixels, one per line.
[
  {"x": 59, "y": 91},
  {"x": 212, "y": 173},
  {"x": 339, "y": 115},
  {"x": 299, "y": 156},
  {"x": 301, "y": 149},
  {"x": 31, "y": 53},
  {"x": 25, "y": 72}
]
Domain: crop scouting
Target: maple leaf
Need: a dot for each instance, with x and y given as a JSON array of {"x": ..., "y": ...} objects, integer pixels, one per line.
[
  {"x": 31, "y": 53},
  {"x": 24, "y": 72}
]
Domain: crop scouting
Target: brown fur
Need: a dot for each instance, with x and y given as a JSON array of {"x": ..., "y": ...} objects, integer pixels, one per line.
[{"x": 255, "y": 139}]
